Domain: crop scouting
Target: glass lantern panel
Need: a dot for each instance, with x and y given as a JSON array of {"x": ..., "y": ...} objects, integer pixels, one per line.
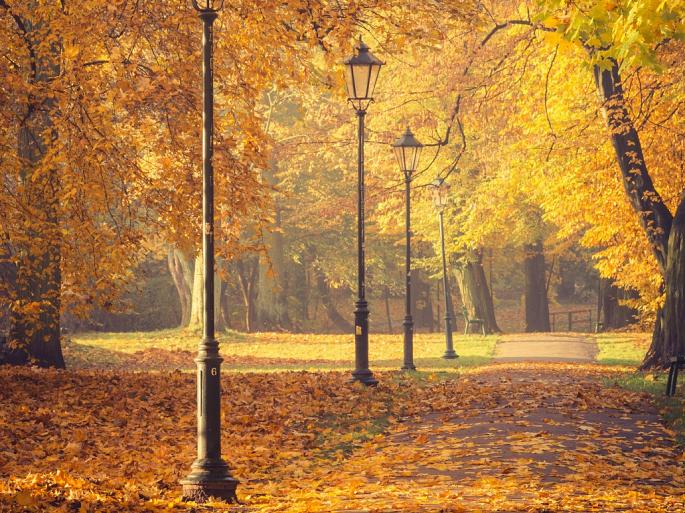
[
  {"x": 361, "y": 76},
  {"x": 375, "y": 70},
  {"x": 416, "y": 153},
  {"x": 401, "y": 157},
  {"x": 349, "y": 82}
]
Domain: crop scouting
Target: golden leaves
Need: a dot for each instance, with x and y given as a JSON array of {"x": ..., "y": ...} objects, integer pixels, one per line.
[{"x": 553, "y": 434}]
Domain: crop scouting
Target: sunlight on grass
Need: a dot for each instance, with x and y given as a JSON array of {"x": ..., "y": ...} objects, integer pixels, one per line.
[
  {"x": 622, "y": 348},
  {"x": 269, "y": 352}
]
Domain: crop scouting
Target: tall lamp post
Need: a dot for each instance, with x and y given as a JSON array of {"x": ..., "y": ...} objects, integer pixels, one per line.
[
  {"x": 407, "y": 151},
  {"x": 209, "y": 475},
  {"x": 441, "y": 190},
  {"x": 361, "y": 74}
]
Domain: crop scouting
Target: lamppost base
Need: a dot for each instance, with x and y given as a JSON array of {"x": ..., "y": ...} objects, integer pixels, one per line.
[
  {"x": 364, "y": 377},
  {"x": 209, "y": 480},
  {"x": 450, "y": 355},
  {"x": 202, "y": 492}
]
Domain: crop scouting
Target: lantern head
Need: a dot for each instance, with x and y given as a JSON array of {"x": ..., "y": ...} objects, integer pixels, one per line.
[
  {"x": 407, "y": 152},
  {"x": 440, "y": 189},
  {"x": 361, "y": 74}
]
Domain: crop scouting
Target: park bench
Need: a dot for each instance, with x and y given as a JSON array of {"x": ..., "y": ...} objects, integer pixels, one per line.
[
  {"x": 468, "y": 322},
  {"x": 677, "y": 363}
]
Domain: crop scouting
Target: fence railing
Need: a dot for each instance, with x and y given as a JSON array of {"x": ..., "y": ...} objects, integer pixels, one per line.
[{"x": 565, "y": 321}]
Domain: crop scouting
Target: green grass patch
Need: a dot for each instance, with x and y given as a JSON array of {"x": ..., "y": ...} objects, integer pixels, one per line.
[
  {"x": 271, "y": 352},
  {"x": 622, "y": 348}
]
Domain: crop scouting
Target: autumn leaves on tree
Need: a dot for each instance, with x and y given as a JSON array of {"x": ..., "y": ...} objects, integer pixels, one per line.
[{"x": 558, "y": 123}]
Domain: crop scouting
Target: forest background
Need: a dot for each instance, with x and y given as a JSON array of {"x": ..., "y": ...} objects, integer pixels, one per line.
[{"x": 559, "y": 126}]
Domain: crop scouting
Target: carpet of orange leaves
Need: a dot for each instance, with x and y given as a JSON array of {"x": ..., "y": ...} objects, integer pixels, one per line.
[{"x": 524, "y": 437}]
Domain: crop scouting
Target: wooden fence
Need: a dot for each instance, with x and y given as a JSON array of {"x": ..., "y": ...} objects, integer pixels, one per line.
[{"x": 572, "y": 320}]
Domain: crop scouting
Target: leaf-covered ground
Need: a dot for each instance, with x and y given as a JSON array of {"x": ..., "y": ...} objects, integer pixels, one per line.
[
  {"x": 516, "y": 437},
  {"x": 273, "y": 352}
]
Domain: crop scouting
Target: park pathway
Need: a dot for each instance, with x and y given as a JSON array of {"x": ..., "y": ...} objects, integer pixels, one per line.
[
  {"x": 545, "y": 347},
  {"x": 541, "y": 430},
  {"x": 520, "y": 437}
]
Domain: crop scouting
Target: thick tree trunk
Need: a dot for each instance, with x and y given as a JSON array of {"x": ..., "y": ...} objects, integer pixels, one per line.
[
  {"x": 653, "y": 214},
  {"x": 8, "y": 284},
  {"x": 614, "y": 314},
  {"x": 655, "y": 357},
  {"x": 272, "y": 298},
  {"x": 197, "y": 298},
  {"x": 324, "y": 290},
  {"x": 197, "y": 301},
  {"x": 537, "y": 304},
  {"x": 668, "y": 338},
  {"x": 674, "y": 307},
  {"x": 475, "y": 293},
  {"x": 34, "y": 336},
  {"x": 182, "y": 274},
  {"x": 422, "y": 307}
]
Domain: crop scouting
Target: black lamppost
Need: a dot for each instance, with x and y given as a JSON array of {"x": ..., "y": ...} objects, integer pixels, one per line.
[
  {"x": 440, "y": 197},
  {"x": 361, "y": 73},
  {"x": 407, "y": 151},
  {"x": 209, "y": 475}
]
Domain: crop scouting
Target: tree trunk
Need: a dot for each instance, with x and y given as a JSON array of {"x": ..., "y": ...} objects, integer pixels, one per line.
[
  {"x": 181, "y": 273},
  {"x": 668, "y": 338},
  {"x": 475, "y": 293},
  {"x": 327, "y": 302},
  {"x": 614, "y": 314},
  {"x": 197, "y": 298},
  {"x": 248, "y": 269},
  {"x": 655, "y": 356},
  {"x": 537, "y": 305},
  {"x": 272, "y": 298},
  {"x": 422, "y": 308},
  {"x": 195, "y": 320},
  {"x": 34, "y": 336},
  {"x": 8, "y": 284},
  {"x": 386, "y": 299},
  {"x": 225, "y": 304},
  {"x": 653, "y": 215},
  {"x": 674, "y": 306}
]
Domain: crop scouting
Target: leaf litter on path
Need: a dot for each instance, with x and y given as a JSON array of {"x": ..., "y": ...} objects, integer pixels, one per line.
[{"x": 515, "y": 437}]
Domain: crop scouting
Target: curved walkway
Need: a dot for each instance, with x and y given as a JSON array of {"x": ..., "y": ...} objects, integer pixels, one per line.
[
  {"x": 546, "y": 347},
  {"x": 520, "y": 437}
]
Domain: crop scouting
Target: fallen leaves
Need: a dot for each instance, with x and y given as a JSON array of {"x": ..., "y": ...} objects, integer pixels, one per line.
[{"x": 548, "y": 437}]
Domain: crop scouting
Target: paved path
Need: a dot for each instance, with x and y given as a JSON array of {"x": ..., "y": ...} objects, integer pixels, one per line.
[
  {"x": 545, "y": 347},
  {"x": 520, "y": 437}
]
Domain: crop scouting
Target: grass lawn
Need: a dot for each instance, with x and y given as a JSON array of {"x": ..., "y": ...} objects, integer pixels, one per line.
[
  {"x": 269, "y": 352},
  {"x": 622, "y": 348}
]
